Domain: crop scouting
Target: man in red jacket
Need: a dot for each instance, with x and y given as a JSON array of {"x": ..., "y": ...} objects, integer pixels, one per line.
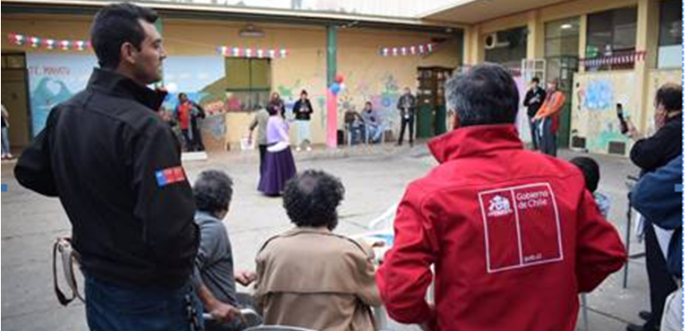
[{"x": 513, "y": 235}]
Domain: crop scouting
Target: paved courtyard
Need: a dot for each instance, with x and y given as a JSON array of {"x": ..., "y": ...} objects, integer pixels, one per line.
[{"x": 375, "y": 179}]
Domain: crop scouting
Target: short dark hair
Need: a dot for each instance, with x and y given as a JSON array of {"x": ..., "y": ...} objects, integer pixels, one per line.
[
  {"x": 312, "y": 198},
  {"x": 213, "y": 191},
  {"x": 485, "y": 94},
  {"x": 670, "y": 95},
  {"x": 304, "y": 92},
  {"x": 115, "y": 25},
  {"x": 535, "y": 80},
  {"x": 590, "y": 170}
]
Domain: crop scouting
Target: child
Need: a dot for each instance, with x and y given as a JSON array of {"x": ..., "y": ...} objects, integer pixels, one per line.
[{"x": 590, "y": 170}]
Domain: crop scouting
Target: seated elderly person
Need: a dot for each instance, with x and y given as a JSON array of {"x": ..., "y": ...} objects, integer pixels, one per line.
[
  {"x": 309, "y": 276},
  {"x": 214, "y": 268}
]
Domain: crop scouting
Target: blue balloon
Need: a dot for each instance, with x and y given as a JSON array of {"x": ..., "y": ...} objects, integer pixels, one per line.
[{"x": 335, "y": 88}]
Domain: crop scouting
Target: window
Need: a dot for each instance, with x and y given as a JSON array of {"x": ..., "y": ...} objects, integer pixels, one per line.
[
  {"x": 248, "y": 82},
  {"x": 508, "y": 47},
  {"x": 609, "y": 34},
  {"x": 671, "y": 34},
  {"x": 562, "y": 47}
]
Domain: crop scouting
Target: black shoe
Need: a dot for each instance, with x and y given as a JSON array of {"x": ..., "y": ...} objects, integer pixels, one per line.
[
  {"x": 645, "y": 327},
  {"x": 645, "y": 315}
]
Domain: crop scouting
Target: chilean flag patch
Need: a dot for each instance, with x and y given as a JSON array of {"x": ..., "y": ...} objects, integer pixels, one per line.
[{"x": 170, "y": 176}]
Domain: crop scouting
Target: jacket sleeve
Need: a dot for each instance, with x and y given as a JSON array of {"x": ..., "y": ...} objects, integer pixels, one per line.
[
  {"x": 405, "y": 276},
  {"x": 600, "y": 251},
  {"x": 655, "y": 196},
  {"x": 34, "y": 169},
  {"x": 164, "y": 200},
  {"x": 653, "y": 152},
  {"x": 311, "y": 109},
  {"x": 547, "y": 109},
  {"x": 366, "y": 274}
]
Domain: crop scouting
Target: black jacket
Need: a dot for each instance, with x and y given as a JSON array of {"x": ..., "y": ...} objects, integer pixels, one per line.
[
  {"x": 302, "y": 116},
  {"x": 534, "y": 100},
  {"x": 115, "y": 165},
  {"x": 658, "y": 150}
]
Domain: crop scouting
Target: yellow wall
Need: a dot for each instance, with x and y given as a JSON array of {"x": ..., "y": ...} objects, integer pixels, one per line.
[
  {"x": 594, "y": 107},
  {"x": 634, "y": 88},
  {"x": 368, "y": 75}
]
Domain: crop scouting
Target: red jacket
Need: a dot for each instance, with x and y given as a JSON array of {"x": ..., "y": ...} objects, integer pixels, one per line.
[{"x": 513, "y": 236}]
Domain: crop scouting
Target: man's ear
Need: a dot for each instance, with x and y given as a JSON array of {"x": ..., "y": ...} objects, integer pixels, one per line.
[
  {"x": 456, "y": 120},
  {"x": 128, "y": 52}
]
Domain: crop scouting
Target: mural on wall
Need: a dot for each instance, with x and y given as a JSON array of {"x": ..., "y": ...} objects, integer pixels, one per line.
[
  {"x": 53, "y": 79},
  {"x": 598, "y": 95},
  {"x": 594, "y": 102}
]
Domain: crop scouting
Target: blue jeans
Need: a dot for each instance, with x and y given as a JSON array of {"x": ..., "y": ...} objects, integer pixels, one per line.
[
  {"x": 534, "y": 130},
  {"x": 374, "y": 133},
  {"x": 357, "y": 133},
  {"x": 113, "y": 308},
  {"x": 547, "y": 142}
]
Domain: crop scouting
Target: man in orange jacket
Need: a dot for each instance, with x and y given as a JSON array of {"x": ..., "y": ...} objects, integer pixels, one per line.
[
  {"x": 513, "y": 235},
  {"x": 548, "y": 117}
]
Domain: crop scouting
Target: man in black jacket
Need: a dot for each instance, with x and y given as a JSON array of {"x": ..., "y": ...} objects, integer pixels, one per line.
[
  {"x": 533, "y": 100},
  {"x": 650, "y": 154},
  {"x": 115, "y": 165}
]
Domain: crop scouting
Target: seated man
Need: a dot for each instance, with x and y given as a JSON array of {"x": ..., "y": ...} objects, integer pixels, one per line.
[
  {"x": 309, "y": 276},
  {"x": 214, "y": 262},
  {"x": 354, "y": 124},
  {"x": 373, "y": 123}
]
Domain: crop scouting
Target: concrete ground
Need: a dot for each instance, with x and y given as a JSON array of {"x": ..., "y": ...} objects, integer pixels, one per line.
[{"x": 375, "y": 178}]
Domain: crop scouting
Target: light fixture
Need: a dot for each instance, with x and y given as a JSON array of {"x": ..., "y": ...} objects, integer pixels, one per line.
[
  {"x": 566, "y": 26},
  {"x": 251, "y": 31}
]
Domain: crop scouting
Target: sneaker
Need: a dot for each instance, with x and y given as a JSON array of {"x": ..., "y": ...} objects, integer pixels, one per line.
[
  {"x": 308, "y": 148},
  {"x": 645, "y": 315},
  {"x": 298, "y": 149}
]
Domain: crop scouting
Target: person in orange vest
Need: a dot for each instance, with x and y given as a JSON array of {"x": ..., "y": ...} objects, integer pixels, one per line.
[{"x": 547, "y": 118}]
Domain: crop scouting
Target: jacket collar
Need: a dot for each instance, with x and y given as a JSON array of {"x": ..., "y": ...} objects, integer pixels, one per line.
[
  {"x": 475, "y": 140},
  {"x": 114, "y": 84}
]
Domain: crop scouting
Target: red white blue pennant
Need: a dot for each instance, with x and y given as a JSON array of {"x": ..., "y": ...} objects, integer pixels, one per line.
[
  {"x": 408, "y": 51},
  {"x": 231, "y": 51},
  {"x": 48, "y": 43}
]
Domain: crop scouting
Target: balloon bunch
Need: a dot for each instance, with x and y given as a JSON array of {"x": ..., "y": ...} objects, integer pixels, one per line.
[{"x": 338, "y": 85}]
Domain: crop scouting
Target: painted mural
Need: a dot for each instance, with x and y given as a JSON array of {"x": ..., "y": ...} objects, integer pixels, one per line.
[
  {"x": 594, "y": 108},
  {"x": 53, "y": 79}
]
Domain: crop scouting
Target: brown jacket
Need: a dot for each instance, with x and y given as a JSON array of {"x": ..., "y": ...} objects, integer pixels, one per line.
[{"x": 318, "y": 280}]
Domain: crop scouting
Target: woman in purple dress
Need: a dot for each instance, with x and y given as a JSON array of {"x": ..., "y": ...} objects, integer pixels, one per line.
[{"x": 280, "y": 165}]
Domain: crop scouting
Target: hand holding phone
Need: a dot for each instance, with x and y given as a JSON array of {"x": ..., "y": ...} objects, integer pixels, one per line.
[{"x": 623, "y": 122}]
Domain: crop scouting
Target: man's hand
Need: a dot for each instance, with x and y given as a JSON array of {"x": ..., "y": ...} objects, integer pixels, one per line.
[
  {"x": 245, "y": 277},
  {"x": 223, "y": 312},
  {"x": 633, "y": 133}
]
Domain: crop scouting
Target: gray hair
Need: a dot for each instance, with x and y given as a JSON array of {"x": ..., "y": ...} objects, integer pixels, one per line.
[
  {"x": 485, "y": 94},
  {"x": 213, "y": 191}
]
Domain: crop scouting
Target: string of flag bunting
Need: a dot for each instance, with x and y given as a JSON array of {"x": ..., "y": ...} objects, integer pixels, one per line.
[
  {"x": 625, "y": 58},
  {"x": 410, "y": 50},
  {"x": 49, "y": 43},
  {"x": 252, "y": 52}
]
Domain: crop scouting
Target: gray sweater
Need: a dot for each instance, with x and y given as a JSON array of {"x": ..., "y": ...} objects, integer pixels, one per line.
[{"x": 214, "y": 263}]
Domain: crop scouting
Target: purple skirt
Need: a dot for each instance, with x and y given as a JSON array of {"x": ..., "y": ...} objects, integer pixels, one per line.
[{"x": 278, "y": 169}]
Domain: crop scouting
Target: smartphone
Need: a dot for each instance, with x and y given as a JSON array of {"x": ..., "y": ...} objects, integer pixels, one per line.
[{"x": 621, "y": 119}]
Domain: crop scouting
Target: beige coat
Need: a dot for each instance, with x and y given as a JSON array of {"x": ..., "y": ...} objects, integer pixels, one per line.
[{"x": 316, "y": 279}]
